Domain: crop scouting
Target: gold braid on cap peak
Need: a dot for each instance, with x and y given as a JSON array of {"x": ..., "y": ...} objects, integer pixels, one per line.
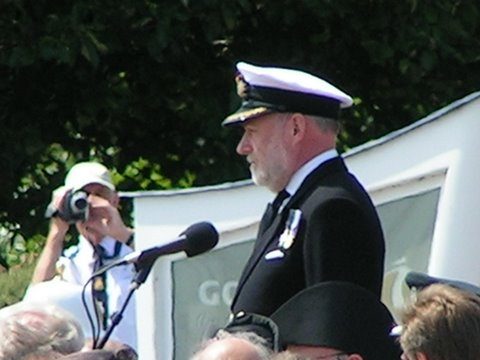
[{"x": 242, "y": 86}]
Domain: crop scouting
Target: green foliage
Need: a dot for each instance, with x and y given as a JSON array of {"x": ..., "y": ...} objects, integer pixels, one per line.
[
  {"x": 14, "y": 283},
  {"x": 143, "y": 85}
]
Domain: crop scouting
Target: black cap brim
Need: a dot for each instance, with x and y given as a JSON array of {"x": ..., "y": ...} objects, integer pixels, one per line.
[
  {"x": 90, "y": 355},
  {"x": 420, "y": 280},
  {"x": 258, "y": 324}
]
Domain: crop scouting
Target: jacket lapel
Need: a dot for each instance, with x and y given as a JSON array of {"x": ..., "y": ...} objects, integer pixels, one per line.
[{"x": 261, "y": 244}]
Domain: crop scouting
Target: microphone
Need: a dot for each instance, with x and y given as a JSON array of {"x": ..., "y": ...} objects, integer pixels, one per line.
[{"x": 196, "y": 239}]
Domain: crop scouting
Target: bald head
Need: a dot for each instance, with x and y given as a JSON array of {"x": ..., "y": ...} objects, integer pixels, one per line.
[
  {"x": 239, "y": 346},
  {"x": 229, "y": 349}
]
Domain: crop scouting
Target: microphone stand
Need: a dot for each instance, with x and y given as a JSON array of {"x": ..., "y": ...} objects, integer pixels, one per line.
[{"x": 142, "y": 273}]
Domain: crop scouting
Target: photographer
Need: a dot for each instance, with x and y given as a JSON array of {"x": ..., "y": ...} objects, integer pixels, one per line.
[{"x": 89, "y": 200}]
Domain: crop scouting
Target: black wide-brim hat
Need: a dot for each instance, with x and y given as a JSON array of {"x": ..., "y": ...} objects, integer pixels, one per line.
[
  {"x": 270, "y": 89},
  {"x": 338, "y": 315}
]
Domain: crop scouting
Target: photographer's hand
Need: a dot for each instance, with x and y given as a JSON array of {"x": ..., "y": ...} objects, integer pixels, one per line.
[
  {"x": 46, "y": 265},
  {"x": 105, "y": 220}
]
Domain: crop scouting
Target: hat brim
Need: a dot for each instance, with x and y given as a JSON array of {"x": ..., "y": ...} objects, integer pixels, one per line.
[
  {"x": 420, "y": 280},
  {"x": 90, "y": 355},
  {"x": 246, "y": 113},
  {"x": 81, "y": 184},
  {"x": 259, "y": 324}
]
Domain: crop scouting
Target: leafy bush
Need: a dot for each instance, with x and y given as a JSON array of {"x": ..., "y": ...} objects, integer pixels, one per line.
[{"x": 14, "y": 282}]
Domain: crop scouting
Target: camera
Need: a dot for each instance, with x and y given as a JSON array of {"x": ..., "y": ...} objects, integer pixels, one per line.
[{"x": 74, "y": 207}]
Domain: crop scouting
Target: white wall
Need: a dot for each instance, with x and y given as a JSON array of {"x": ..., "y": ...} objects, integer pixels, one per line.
[{"x": 446, "y": 147}]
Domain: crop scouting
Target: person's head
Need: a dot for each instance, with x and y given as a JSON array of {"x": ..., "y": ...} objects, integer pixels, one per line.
[
  {"x": 63, "y": 294},
  {"x": 31, "y": 333},
  {"x": 288, "y": 117},
  {"x": 337, "y": 320},
  {"x": 94, "y": 179},
  {"x": 238, "y": 346},
  {"x": 443, "y": 323}
]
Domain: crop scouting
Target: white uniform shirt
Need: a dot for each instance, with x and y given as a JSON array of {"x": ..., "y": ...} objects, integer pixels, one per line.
[{"x": 76, "y": 266}]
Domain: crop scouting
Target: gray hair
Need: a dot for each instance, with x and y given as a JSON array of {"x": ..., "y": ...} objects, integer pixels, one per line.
[
  {"x": 260, "y": 344},
  {"x": 31, "y": 332},
  {"x": 326, "y": 124}
]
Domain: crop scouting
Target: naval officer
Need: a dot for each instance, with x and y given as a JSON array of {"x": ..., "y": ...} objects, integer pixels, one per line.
[{"x": 322, "y": 225}]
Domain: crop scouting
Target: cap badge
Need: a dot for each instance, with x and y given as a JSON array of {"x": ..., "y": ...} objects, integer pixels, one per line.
[{"x": 242, "y": 86}]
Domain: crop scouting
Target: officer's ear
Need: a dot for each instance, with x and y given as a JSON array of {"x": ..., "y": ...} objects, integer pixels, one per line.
[{"x": 297, "y": 126}]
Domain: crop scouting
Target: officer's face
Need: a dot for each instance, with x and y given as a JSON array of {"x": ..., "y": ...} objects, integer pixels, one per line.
[{"x": 264, "y": 144}]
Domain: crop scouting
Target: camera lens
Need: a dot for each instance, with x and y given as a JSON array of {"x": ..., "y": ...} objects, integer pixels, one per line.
[
  {"x": 79, "y": 201},
  {"x": 76, "y": 206}
]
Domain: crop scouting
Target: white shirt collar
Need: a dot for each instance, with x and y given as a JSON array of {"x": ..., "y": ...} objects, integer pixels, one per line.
[
  {"x": 307, "y": 168},
  {"x": 108, "y": 243}
]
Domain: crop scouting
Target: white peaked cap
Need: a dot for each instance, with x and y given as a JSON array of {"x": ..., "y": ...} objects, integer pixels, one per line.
[
  {"x": 270, "y": 89},
  {"x": 292, "y": 80}
]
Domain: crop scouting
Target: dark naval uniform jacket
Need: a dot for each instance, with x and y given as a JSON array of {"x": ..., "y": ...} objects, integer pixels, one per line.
[{"x": 338, "y": 237}]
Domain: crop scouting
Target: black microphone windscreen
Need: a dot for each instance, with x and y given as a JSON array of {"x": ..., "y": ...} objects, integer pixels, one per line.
[{"x": 201, "y": 237}]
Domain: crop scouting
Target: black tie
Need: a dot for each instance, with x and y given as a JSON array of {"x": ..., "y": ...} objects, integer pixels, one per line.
[
  {"x": 99, "y": 290},
  {"x": 272, "y": 210}
]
